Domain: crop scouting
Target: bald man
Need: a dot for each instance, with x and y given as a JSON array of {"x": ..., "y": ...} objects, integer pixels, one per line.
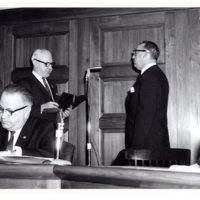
[{"x": 44, "y": 93}]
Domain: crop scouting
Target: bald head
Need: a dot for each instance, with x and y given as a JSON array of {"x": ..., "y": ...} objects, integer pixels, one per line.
[
  {"x": 40, "y": 54},
  {"x": 42, "y": 62}
]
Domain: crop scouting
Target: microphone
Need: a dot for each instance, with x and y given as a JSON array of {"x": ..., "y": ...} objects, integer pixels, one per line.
[
  {"x": 95, "y": 69},
  {"x": 91, "y": 70},
  {"x": 59, "y": 132}
]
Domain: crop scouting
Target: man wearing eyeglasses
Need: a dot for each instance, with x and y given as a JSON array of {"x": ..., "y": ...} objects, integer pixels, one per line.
[
  {"x": 146, "y": 103},
  {"x": 44, "y": 93},
  {"x": 146, "y": 106},
  {"x": 20, "y": 132}
]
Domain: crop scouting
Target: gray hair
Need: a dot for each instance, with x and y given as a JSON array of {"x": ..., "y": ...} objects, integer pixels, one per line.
[{"x": 16, "y": 88}]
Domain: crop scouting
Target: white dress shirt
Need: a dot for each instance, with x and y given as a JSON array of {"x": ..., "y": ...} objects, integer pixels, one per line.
[
  {"x": 39, "y": 78},
  {"x": 147, "y": 67}
]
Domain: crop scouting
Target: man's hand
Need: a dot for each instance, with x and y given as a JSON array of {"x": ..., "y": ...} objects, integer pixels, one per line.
[
  {"x": 50, "y": 104},
  {"x": 66, "y": 113}
]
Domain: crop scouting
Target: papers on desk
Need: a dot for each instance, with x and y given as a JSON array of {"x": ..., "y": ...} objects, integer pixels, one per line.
[
  {"x": 32, "y": 160},
  {"x": 184, "y": 168}
]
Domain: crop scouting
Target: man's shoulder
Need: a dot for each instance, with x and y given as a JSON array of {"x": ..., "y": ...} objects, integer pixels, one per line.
[
  {"x": 38, "y": 122},
  {"x": 26, "y": 80},
  {"x": 154, "y": 74},
  {"x": 155, "y": 70}
]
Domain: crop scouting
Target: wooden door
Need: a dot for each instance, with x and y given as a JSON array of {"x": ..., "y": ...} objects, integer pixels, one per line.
[
  {"x": 116, "y": 37},
  {"x": 53, "y": 36}
]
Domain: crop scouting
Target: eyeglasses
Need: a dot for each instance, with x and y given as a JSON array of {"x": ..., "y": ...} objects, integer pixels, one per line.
[
  {"x": 137, "y": 50},
  {"x": 47, "y": 64},
  {"x": 10, "y": 112}
]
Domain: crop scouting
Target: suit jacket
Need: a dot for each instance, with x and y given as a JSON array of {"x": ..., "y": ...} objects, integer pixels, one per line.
[
  {"x": 40, "y": 96},
  {"x": 146, "y": 111},
  {"x": 36, "y": 138}
]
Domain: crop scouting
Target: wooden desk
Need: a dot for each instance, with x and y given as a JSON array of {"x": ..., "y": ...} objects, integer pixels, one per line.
[
  {"x": 126, "y": 177},
  {"x": 52, "y": 176},
  {"x": 28, "y": 176}
]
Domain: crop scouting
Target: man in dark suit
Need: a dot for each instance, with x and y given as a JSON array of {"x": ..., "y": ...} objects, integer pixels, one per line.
[
  {"x": 146, "y": 103},
  {"x": 20, "y": 132},
  {"x": 44, "y": 93}
]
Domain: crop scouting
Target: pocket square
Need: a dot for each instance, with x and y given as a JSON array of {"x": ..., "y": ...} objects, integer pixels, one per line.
[{"x": 132, "y": 89}]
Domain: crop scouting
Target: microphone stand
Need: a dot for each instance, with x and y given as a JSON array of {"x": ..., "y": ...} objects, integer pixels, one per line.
[
  {"x": 59, "y": 133},
  {"x": 88, "y": 125}
]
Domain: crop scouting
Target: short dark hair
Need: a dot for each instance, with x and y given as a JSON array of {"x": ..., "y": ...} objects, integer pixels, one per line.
[
  {"x": 153, "y": 48},
  {"x": 16, "y": 88}
]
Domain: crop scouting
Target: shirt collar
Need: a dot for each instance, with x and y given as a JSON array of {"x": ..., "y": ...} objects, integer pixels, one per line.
[
  {"x": 147, "y": 67},
  {"x": 38, "y": 77}
]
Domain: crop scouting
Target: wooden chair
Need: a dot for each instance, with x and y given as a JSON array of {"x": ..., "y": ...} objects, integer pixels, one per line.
[
  {"x": 67, "y": 151},
  {"x": 157, "y": 158}
]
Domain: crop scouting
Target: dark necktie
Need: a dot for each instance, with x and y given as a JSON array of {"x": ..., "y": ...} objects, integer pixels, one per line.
[
  {"x": 10, "y": 145},
  {"x": 47, "y": 87}
]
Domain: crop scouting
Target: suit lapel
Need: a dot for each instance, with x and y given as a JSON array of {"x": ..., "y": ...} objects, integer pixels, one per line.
[
  {"x": 40, "y": 86},
  {"x": 53, "y": 89},
  {"x": 3, "y": 139},
  {"x": 137, "y": 80},
  {"x": 26, "y": 133}
]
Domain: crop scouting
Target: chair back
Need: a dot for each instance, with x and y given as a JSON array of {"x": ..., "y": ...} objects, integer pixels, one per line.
[
  {"x": 67, "y": 151},
  {"x": 158, "y": 157},
  {"x": 60, "y": 74}
]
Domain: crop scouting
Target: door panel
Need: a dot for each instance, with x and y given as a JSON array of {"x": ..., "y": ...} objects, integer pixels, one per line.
[
  {"x": 43, "y": 35},
  {"x": 118, "y": 36},
  {"x": 112, "y": 143},
  {"x": 118, "y": 43},
  {"x": 114, "y": 94}
]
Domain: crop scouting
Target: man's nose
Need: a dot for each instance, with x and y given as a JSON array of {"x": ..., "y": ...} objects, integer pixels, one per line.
[
  {"x": 3, "y": 115},
  {"x": 133, "y": 55}
]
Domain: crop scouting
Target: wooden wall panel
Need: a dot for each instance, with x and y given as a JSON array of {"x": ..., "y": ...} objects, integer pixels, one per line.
[
  {"x": 6, "y": 55},
  {"x": 110, "y": 150},
  {"x": 73, "y": 85},
  {"x": 24, "y": 48},
  {"x": 194, "y": 81},
  {"x": 183, "y": 76},
  {"x": 118, "y": 39},
  {"x": 118, "y": 43},
  {"x": 132, "y": 20},
  {"x": 172, "y": 76},
  {"x": 114, "y": 94},
  {"x": 182, "y": 61},
  {"x": 81, "y": 61}
]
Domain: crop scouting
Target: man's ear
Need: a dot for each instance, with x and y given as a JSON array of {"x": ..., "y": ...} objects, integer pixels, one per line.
[{"x": 27, "y": 111}]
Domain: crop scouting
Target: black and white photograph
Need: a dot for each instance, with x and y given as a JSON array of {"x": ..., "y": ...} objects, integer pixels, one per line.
[{"x": 100, "y": 99}]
